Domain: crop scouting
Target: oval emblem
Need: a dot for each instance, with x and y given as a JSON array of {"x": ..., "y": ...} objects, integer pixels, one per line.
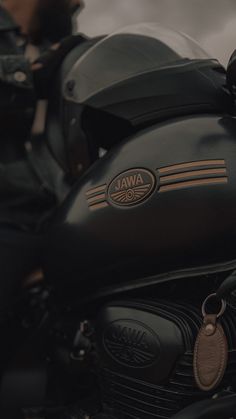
[
  {"x": 131, "y": 343},
  {"x": 131, "y": 187}
]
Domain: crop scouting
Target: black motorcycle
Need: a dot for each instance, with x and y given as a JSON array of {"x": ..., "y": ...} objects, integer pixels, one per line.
[{"x": 136, "y": 316}]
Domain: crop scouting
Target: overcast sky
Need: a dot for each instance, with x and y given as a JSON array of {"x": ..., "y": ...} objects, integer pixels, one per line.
[{"x": 211, "y": 22}]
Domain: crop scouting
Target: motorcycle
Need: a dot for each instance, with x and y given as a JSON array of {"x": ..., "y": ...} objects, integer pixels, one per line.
[{"x": 136, "y": 316}]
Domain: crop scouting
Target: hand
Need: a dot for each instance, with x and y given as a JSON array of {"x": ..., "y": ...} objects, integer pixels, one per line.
[{"x": 47, "y": 65}]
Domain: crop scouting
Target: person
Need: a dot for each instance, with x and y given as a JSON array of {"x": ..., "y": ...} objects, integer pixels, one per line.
[
  {"x": 28, "y": 28},
  {"x": 43, "y": 22}
]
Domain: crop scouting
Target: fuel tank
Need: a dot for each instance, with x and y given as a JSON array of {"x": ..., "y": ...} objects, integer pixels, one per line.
[{"x": 159, "y": 203}]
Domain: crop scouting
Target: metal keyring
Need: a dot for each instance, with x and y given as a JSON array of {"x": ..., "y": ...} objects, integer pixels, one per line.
[{"x": 222, "y": 310}]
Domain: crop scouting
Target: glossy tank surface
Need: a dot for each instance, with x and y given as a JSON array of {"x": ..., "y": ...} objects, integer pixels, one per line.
[{"x": 161, "y": 201}]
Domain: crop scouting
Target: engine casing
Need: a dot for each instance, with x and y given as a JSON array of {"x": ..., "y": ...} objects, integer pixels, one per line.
[{"x": 145, "y": 352}]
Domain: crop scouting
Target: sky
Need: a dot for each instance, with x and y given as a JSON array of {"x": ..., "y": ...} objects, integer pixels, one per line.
[{"x": 211, "y": 22}]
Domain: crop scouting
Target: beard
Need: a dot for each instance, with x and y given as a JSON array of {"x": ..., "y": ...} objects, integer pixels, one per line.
[{"x": 52, "y": 21}]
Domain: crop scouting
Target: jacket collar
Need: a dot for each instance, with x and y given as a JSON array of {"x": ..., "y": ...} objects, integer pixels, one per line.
[{"x": 6, "y": 21}]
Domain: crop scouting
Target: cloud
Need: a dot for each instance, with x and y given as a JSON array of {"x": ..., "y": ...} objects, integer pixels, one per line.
[
  {"x": 198, "y": 18},
  {"x": 222, "y": 43}
]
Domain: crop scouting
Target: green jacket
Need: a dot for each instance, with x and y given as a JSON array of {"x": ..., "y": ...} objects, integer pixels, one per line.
[{"x": 25, "y": 198}]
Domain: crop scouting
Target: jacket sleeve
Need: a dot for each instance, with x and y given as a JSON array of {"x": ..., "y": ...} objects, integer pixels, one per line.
[
  {"x": 16, "y": 80},
  {"x": 17, "y": 95}
]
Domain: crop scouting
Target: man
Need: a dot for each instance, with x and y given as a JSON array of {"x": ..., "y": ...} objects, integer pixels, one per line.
[
  {"x": 43, "y": 21},
  {"x": 29, "y": 27}
]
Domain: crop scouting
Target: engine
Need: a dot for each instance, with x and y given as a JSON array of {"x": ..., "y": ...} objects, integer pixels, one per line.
[{"x": 146, "y": 357}]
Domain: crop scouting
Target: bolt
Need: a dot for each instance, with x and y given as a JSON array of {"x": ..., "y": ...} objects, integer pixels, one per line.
[
  {"x": 70, "y": 85},
  {"x": 20, "y": 76}
]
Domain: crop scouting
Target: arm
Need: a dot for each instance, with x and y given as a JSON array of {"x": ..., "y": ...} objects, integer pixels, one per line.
[{"x": 16, "y": 79}]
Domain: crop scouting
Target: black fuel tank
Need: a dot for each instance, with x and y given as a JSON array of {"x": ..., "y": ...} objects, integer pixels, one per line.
[{"x": 159, "y": 202}]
